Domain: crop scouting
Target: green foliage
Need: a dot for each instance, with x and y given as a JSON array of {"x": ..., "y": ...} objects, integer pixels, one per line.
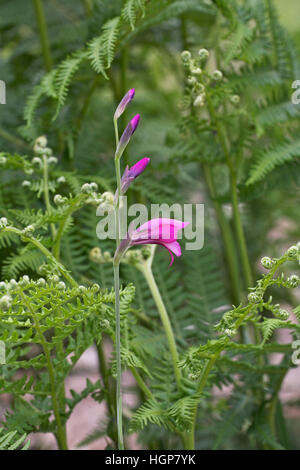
[{"x": 232, "y": 144}]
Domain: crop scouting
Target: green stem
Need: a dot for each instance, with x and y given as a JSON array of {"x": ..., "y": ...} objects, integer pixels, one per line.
[
  {"x": 88, "y": 6},
  {"x": 147, "y": 271},
  {"x": 41, "y": 21},
  {"x": 118, "y": 357},
  {"x": 229, "y": 246},
  {"x": 117, "y": 299},
  {"x": 61, "y": 430},
  {"x": 46, "y": 193},
  {"x": 234, "y": 195},
  {"x": 141, "y": 383},
  {"x": 14, "y": 140}
]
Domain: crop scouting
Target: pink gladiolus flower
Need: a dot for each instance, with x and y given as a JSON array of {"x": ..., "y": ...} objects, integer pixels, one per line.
[
  {"x": 126, "y": 136},
  {"x": 161, "y": 231},
  {"x": 130, "y": 174},
  {"x": 125, "y": 101}
]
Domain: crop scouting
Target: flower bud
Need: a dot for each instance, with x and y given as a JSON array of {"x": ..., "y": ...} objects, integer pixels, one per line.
[
  {"x": 28, "y": 231},
  {"x": 203, "y": 53},
  {"x": 196, "y": 71},
  {"x": 3, "y": 160},
  {"x": 217, "y": 75},
  {"x": 126, "y": 136},
  {"x": 253, "y": 297},
  {"x": 126, "y": 100},
  {"x": 61, "y": 285},
  {"x": 293, "y": 281},
  {"x": 191, "y": 80},
  {"x": 293, "y": 251},
  {"x": 185, "y": 56},
  {"x": 41, "y": 282},
  {"x": 267, "y": 262},
  {"x": 283, "y": 314},
  {"x": 26, "y": 184},
  {"x": 86, "y": 188},
  {"x": 235, "y": 99},
  {"x": 5, "y": 302},
  {"x": 52, "y": 160},
  {"x": 199, "y": 100},
  {"x": 61, "y": 179},
  {"x": 3, "y": 222}
]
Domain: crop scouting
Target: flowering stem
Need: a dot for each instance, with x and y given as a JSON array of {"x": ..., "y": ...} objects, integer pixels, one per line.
[
  {"x": 117, "y": 299},
  {"x": 118, "y": 357},
  {"x": 147, "y": 271}
]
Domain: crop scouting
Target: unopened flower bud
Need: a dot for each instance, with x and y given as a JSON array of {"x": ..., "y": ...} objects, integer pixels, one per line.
[
  {"x": 5, "y": 302},
  {"x": 253, "y": 297},
  {"x": 41, "y": 282},
  {"x": 3, "y": 160},
  {"x": 61, "y": 179},
  {"x": 28, "y": 231},
  {"x": 61, "y": 285},
  {"x": 283, "y": 314},
  {"x": 199, "y": 100},
  {"x": 126, "y": 136},
  {"x": 96, "y": 254},
  {"x": 104, "y": 324},
  {"x": 26, "y": 184},
  {"x": 126, "y": 100},
  {"x": 186, "y": 56},
  {"x": 41, "y": 141},
  {"x": 267, "y": 262},
  {"x": 203, "y": 53},
  {"x": 37, "y": 161},
  {"x": 86, "y": 188},
  {"x": 196, "y": 71},
  {"x": 52, "y": 160},
  {"x": 3, "y": 222},
  {"x": 235, "y": 99},
  {"x": 59, "y": 199},
  {"x": 293, "y": 281},
  {"x": 191, "y": 80},
  {"x": 293, "y": 251},
  {"x": 217, "y": 75}
]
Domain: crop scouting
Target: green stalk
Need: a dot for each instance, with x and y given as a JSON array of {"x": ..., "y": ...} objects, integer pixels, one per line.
[
  {"x": 147, "y": 271},
  {"x": 46, "y": 193},
  {"x": 117, "y": 299},
  {"x": 234, "y": 195},
  {"x": 41, "y": 21},
  {"x": 118, "y": 357},
  {"x": 88, "y": 6},
  {"x": 229, "y": 246}
]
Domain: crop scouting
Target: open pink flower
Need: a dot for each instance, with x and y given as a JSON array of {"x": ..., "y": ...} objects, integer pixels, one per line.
[{"x": 161, "y": 231}]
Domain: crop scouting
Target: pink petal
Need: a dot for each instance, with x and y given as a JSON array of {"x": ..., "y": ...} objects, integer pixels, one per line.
[{"x": 159, "y": 229}]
